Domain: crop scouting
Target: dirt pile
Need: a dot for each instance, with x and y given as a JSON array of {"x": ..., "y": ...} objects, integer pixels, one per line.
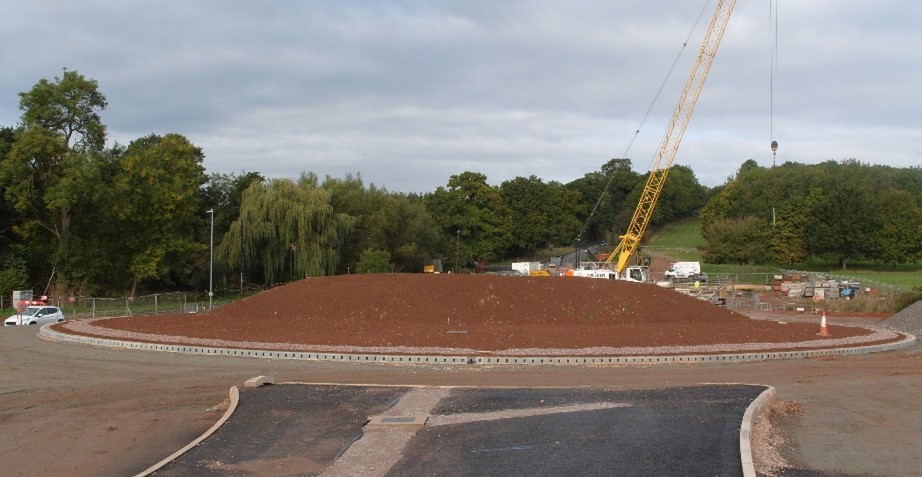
[{"x": 481, "y": 312}]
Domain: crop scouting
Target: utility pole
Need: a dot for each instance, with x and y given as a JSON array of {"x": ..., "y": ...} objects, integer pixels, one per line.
[
  {"x": 211, "y": 263},
  {"x": 240, "y": 220}
]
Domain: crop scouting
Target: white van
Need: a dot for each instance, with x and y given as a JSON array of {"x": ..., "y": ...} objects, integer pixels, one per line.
[{"x": 683, "y": 270}]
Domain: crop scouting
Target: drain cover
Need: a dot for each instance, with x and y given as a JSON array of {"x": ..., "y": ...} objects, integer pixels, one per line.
[{"x": 418, "y": 421}]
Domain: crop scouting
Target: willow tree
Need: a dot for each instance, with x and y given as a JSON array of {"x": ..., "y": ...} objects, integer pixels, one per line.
[{"x": 288, "y": 227}]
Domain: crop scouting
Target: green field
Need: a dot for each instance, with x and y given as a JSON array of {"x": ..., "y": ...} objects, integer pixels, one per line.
[
  {"x": 685, "y": 234},
  {"x": 680, "y": 242}
]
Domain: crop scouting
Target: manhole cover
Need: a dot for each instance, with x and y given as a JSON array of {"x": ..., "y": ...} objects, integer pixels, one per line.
[{"x": 418, "y": 421}]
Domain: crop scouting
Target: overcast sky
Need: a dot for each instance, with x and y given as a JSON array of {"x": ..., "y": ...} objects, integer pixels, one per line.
[{"x": 409, "y": 93}]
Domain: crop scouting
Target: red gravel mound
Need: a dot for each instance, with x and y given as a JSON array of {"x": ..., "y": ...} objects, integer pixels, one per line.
[{"x": 479, "y": 312}]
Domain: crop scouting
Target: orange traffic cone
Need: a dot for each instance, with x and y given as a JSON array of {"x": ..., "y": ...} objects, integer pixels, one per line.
[{"x": 823, "y": 330}]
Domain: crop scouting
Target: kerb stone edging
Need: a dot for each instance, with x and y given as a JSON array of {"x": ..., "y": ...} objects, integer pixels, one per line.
[
  {"x": 47, "y": 333},
  {"x": 749, "y": 421},
  {"x": 234, "y": 399}
]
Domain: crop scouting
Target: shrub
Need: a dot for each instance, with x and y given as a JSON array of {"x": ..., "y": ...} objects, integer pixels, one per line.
[{"x": 374, "y": 261}]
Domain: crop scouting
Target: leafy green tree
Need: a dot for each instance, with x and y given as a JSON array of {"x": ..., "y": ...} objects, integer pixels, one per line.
[
  {"x": 752, "y": 192},
  {"x": 602, "y": 200},
  {"x": 529, "y": 201},
  {"x": 161, "y": 209},
  {"x": 14, "y": 275},
  {"x": 396, "y": 223},
  {"x": 68, "y": 107},
  {"x": 475, "y": 221},
  {"x": 740, "y": 241},
  {"x": 789, "y": 232},
  {"x": 223, "y": 194},
  {"x": 563, "y": 206},
  {"x": 350, "y": 196},
  {"x": 94, "y": 242},
  {"x": 899, "y": 238},
  {"x": 843, "y": 214},
  {"x": 9, "y": 217},
  {"x": 290, "y": 228},
  {"x": 541, "y": 214},
  {"x": 374, "y": 261},
  {"x": 682, "y": 196},
  {"x": 403, "y": 227},
  {"x": 42, "y": 175}
]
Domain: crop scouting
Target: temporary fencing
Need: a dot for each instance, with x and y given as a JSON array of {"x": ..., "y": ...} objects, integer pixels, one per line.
[{"x": 94, "y": 307}]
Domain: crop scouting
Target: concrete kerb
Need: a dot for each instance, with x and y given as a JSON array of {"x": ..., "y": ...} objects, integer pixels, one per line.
[
  {"x": 234, "y": 400},
  {"x": 47, "y": 333},
  {"x": 749, "y": 420}
]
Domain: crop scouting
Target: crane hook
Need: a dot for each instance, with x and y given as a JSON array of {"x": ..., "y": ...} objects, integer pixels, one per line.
[{"x": 774, "y": 148}]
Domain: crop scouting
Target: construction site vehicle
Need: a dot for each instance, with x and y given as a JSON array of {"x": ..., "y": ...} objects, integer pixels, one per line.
[
  {"x": 525, "y": 268},
  {"x": 434, "y": 266},
  {"x": 683, "y": 270},
  {"x": 625, "y": 251},
  {"x": 539, "y": 273},
  {"x": 596, "y": 270}
]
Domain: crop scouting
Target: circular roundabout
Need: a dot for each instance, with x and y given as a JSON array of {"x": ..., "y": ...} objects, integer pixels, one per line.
[{"x": 477, "y": 319}]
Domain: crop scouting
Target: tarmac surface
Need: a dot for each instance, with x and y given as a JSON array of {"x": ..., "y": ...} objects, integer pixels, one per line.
[{"x": 303, "y": 430}]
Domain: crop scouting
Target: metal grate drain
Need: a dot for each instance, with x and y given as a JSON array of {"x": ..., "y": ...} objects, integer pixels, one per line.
[{"x": 417, "y": 421}]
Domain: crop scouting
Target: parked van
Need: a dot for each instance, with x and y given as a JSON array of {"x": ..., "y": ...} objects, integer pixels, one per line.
[{"x": 684, "y": 270}]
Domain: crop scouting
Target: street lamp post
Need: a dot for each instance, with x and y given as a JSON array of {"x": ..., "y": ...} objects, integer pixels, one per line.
[{"x": 211, "y": 262}]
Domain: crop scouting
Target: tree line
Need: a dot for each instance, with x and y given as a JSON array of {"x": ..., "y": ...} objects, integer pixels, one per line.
[
  {"x": 79, "y": 217},
  {"x": 841, "y": 211}
]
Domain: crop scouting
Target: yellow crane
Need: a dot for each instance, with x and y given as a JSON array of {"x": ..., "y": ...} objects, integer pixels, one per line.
[{"x": 662, "y": 162}]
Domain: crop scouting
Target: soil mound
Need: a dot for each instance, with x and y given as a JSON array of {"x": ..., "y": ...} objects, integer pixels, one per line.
[{"x": 480, "y": 312}]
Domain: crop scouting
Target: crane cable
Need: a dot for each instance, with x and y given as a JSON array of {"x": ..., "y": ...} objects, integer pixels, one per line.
[
  {"x": 643, "y": 121},
  {"x": 773, "y": 29},
  {"x": 773, "y": 33}
]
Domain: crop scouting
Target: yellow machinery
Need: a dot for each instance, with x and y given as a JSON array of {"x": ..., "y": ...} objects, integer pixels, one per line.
[{"x": 667, "y": 151}]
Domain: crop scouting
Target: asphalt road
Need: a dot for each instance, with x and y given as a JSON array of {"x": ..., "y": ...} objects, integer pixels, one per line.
[
  {"x": 512, "y": 432},
  {"x": 95, "y": 411}
]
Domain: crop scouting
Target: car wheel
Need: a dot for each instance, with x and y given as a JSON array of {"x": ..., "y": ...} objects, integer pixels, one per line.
[
  {"x": 34, "y": 323},
  {"x": 61, "y": 320}
]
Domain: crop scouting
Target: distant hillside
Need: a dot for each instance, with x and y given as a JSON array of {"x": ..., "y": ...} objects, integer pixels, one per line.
[{"x": 684, "y": 234}]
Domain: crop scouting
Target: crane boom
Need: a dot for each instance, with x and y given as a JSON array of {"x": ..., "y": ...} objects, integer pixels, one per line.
[{"x": 663, "y": 160}]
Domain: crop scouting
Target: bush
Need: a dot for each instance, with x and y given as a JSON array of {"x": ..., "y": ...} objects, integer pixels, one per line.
[
  {"x": 374, "y": 261},
  {"x": 744, "y": 241},
  {"x": 907, "y": 298},
  {"x": 13, "y": 276}
]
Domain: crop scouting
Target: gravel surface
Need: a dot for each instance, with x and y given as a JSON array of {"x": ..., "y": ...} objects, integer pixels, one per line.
[
  {"x": 89, "y": 328},
  {"x": 909, "y": 320}
]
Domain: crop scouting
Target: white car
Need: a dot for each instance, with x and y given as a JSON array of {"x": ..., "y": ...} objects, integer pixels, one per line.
[{"x": 36, "y": 315}]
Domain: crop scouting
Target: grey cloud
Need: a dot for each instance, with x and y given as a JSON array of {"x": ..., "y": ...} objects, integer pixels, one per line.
[{"x": 410, "y": 93}]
